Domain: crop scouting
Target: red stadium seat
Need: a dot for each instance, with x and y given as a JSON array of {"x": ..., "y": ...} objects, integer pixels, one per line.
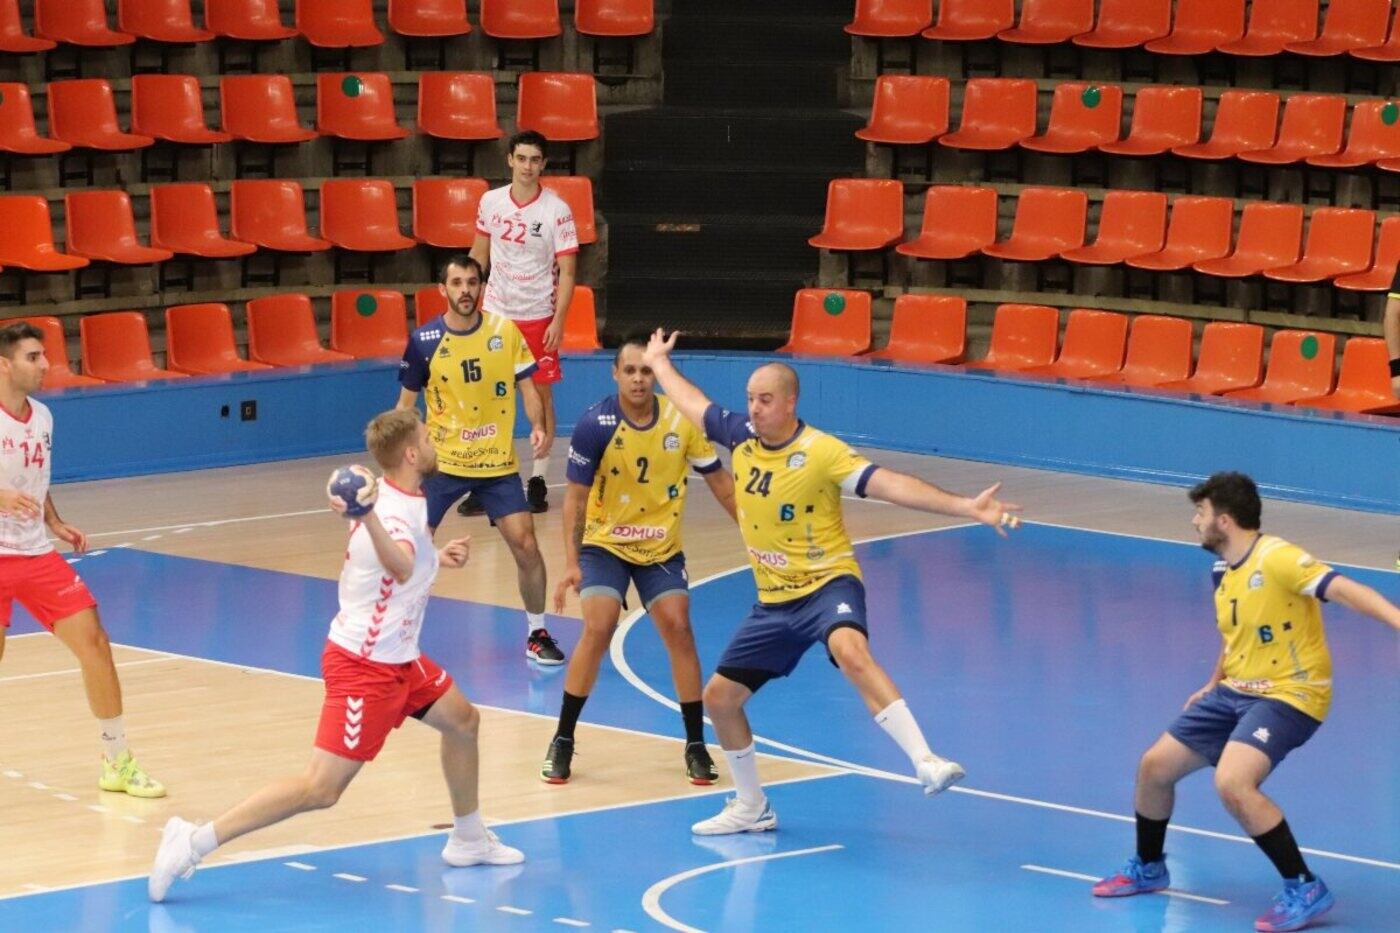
[
  {"x": 338, "y": 24},
  {"x": 1126, "y": 24},
  {"x": 622, "y": 18},
  {"x": 1094, "y": 344},
  {"x": 958, "y": 221},
  {"x": 971, "y": 20},
  {"x": 1159, "y": 351},
  {"x": 184, "y": 220},
  {"x": 171, "y": 108},
  {"x": 559, "y": 106},
  {"x": 1231, "y": 357},
  {"x": 577, "y": 192},
  {"x": 1381, "y": 274},
  {"x": 1131, "y": 223},
  {"x": 369, "y": 323},
  {"x": 117, "y": 348},
  {"x": 362, "y": 215},
  {"x": 60, "y": 374},
  {"x": 1274, "y": 25},
  {"x": 1022, "y": 336},
  {"x": 13, "y": 38},
  {"x": 1370, "y": 138},
  {"x": 26, "y": 237},
  {"x": 926, "y": 329},
  {"x": 520, "y": 19},
  {"x": 261, "y": 109},
  {"x": 18, "y": 134},
  {"x": 83, "y": 114},
  {"x": 444, "y": 211},
  {"x": 271, "y": 214},
  {"x": 1339, "y": 242},
  {"x": 1082, "y": 116},
  {"x": 457, "y": 105},
  {"x": 1301, "y": 365},
  {"x": 1050, "y": 22},
  {"x": 101, "y": 225},
  {"x": 429, "y": 302},
  {"x": 77, "y": 22},
  {"x": 199, "y": 341},
  {"x": 429, "y": 18},
  {"x": 862, "y": 214},
  {"x": 1312, "y": 126},
  {"x": 829, "y": 322},
  {"x": 1364, "y": 382},
  {"x": 581, "y": 322},
  {"x": 997, "y": 113},
  {"x": 1163, "y": 117},
  {"x": 246, "y": 20},
  {"x": 282, "y": 332},
  {"x": 1271, "y": 235},
  {"x": 1350, "y": 25},
  {"x": 1245, "y": 121},
  {"x": 357, "y": 106},
  {"x": 1049, "y": 221},
  {"x": 890, "y": 19},
  {"x": 1388, "y": 51},
  {"x": 908, "y": 110},
  {"x": 160, "y": 21},
  {"x": 1201, "y": 26},
  {"x": 1199, "y": 229}
]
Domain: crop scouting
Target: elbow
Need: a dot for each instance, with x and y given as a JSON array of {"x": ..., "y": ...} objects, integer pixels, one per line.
[{"x": 402, "y": 576}]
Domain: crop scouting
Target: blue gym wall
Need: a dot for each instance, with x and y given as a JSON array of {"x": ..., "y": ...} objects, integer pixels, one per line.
[{"x": 1349, "y": 461}]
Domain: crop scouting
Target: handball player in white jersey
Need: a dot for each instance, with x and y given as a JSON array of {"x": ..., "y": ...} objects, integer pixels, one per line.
[{"x": 375, "y": 675}]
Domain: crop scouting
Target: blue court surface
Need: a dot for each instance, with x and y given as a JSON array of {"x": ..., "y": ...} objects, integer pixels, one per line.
[{"x": 1044, "y": 664}]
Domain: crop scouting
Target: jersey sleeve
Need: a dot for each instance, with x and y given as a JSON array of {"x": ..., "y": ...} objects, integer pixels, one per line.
[
  {"x": 726, "y": 427},
  {"x": 413, "y": 368},
  {"x": 586, "y": 448},
  {"x": 699, "y": 451},
  {"x": 1298, "y": 571},
  {"x": 525, "y": 364},
  {"x": 481, "y": 225},
  {"x": 565, "y": 231},
  {"x": 847, "y": 469}
]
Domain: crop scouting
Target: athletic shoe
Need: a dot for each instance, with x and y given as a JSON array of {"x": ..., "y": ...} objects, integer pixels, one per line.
[
  {"x": 488, "y": 851},
  {"x": 939, "y": 774},
  {"x": 699, "y": 766},
  {"x": 535, "y": 493},
  {"x": 1299, "y": 904},
  {"x": 125, "y": 776},
  {"x": 542, "y": 649},
  {"x": 176, "y": 858},
  {"x": 471, "y": 506},
  {"x": 737, "y": 818},
  {"x": 1136, "y": 877},
  {"x": 555, "y": 769}
]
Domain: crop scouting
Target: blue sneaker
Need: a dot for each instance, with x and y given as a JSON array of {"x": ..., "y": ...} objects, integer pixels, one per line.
[
  {"x": 1137, "y": 877},
  {"x": 1299, "y": 904}
]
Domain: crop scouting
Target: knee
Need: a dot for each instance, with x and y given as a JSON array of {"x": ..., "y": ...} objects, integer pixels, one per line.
[
  {"x": 94, "y": 643},
  {"x": 321, "y": 794},
  {"x": 1152, "y": 769},
  {"x": 1233, "y": 789},
  {"x": 678, "y": 635},
  {"x": 466, "y": 723},
  {"x": 527, "y": 550},
  {"x": 599, "y": 632},
  {"x": 720, "y": 697},
  {"x": 852, "y": 657}
]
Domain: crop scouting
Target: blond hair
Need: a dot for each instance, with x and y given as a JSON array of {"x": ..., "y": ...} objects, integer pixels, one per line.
[{"x": 390, "y": 433}]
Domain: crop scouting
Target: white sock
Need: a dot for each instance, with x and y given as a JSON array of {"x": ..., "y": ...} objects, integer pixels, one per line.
[
  {"x": 469, "y": 828},
  {"x": 204, "y": 840},
  {"x": 113, "y": 737},
  {"x": 896, "y": 720},
  {"x": 534, "y": 620},
  {"x": 541, "y": 466},
  {"x": 743, "y": 765}
]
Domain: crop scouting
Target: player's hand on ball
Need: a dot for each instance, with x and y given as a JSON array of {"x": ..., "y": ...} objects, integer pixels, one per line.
[
  {"x": 456, "y": 552},
  {"x": 570, "y": 581},
  {"x": 989, "y": 510},
  {"x": 352, "y": 491}
]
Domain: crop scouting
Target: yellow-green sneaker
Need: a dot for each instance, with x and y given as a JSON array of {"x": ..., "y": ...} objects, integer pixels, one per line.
[{"x": 125, "y": 776}]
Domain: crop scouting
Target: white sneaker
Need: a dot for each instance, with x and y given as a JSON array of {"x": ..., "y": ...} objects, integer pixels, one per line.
[
  {"x": 176, "y": 857},
  {"x": 939, "y": 774},
  {"x": 488, "y": 851},
  {"x": 737, "y": 818}
]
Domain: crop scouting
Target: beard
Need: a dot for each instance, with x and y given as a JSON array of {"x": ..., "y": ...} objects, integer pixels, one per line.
[{"x": 1213, "y": 540}]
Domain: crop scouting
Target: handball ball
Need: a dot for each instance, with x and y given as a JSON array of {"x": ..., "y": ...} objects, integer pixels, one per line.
[{"x": 356, "y": 487}]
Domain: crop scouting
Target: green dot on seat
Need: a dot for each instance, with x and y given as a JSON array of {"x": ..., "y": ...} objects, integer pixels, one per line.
[
  {"x": 351, "y": 86},
  {"x": 1390, "y": 113},
  {"x": 366, "y": 305},
  {"x": 834, "y": 303},
  {"x": 1308, "y": 347},
  {"x": 1091, "y": 96}
]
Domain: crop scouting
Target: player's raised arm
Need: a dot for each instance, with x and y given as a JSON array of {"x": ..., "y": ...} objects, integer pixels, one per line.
[
  {"x": 1359, "y": 597},
  {"x": 913, "y": 493},
  {"x": 681, "y": 391}
]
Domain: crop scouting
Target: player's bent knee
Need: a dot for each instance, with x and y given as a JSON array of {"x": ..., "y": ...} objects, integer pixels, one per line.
[{"x": 322, "y": 794}]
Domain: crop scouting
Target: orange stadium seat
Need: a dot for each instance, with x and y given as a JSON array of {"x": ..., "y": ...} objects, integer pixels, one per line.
[
  {"x": 271, "y": 214},
  {"x": 428, "y": 302},
  {"x": 261, "y": 109},
  {"x": 1126, "y": 24},
  {"x": 117, "y": 348},
  {"x": 1094, "y": 344},
  {"x": 862, "y": 214},
  {"x": 361, "y": 214},
  {"x": 971, "y": 20},
  {"x": 77, "y": 22},
  {"x": 184, "y": 220},
  {"x": 1131, "y": 223},
  {"x": 1199, "y": 229},
  {"x": 1049, "y": 221},
  {"x": 60, "y": 374},
  {"x": 13, "y": 38},
  {"x": 581, "y": 323},
  {"x": 458, "y": 105},
  {"x": 171, "y": 108},
  {"x": 520, "y": 19},
  {"x": 1082, "y": 116},
  {"x": 1389, "y": 165},
  {"x": 829, "y": 322},
  {"x": 1388, "y": 51},
  {"x": 101, "y": 225},
  {"x": 958, "y": 221},
  {"x": 926, "y": 329},
  {"x": 282, "y": 332},
  {"x": 199, "y": 341},
  {"x": 1050, "y": 22},
  {"x": 357, "y": 106},
  {"x": 1381, "y": 274},
  {"x": 559, "y": 106},
  {"x": 1201, "y": 26},
  {"x": 1312, "y": 126},
  {"x": 444, "y": 211},
  {"x": 338, "y": 24},
  {"x": 18, "y": 134},
  {"x": 1274, "y": 25},
  {"x": 83, "y": 113},
  {"x": 890, "y": 19},
  {"x": 1370, "y": 138},
  {"x": 1339, "y": 243},
  {"x": 907, "y": 110},
  {"x": 1231, "y": 357},
  {"x": 1350, "y": 25},
  {"x": 1022, "y": 336},
  {"x": 26, "y": 237},
  {"x": 1301, "y": 366},
  {"x": 369, "y": 323},
  {"x": 246, "y": 20},
  {"x": 1245, "y": 121},
  {"x": 429, "y": 18},
  {"x": 997, "y": 113},
  {"x": 1271, "y": 235},
  {"x": 577, "y": 192},
  {"x": 160, "y": 21},
  {"x": 1363, "y": 385},
  {"x": 1163, "y": 117},
  {"x": 622, "y": 18},
  {"x": 1159, "y": 351}
]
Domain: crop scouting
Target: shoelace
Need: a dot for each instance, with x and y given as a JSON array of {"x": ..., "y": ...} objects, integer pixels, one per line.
[{"x": 1292, "y": 897}]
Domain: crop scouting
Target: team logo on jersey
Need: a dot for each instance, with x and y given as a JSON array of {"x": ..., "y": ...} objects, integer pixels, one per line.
[
  {"x": 796, "y": 460},
  {"x": 815, "y": 553},
  {"x": 769, "y": 558},
  {"x": 443, "y": 351},
  {"x": 1306, "y": 560},
  {"x": 1262, "y": 734},
  {"x": 495, "y": 343},
  {"x": 477, "y": 434},
  {"x": 618, "y": 442},
  {"x": 578, "y": 458},
  {"x": 673, "y": 492},
  {"x": 1256, "y": 579},
  {"x": 639, "y": 532},
  {"x": 536, "y": 227},
  {"x": 672, "y": 441}
]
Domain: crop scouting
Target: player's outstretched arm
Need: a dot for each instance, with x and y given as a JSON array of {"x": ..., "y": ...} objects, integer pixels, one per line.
[
  {"x": 681, "y": 391},
  {"x": 1359, "y": 597},
  {"x": 407, "y": 399},
  {"x": 721, "y": 484},
  {"x": 913, "y": 493}
]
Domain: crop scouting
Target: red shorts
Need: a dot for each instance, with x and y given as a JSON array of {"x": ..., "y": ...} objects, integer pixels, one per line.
[
  {"x": 548, "y": 363},
  {"x": 46, "y": 585},
  {"x": 366, "y": 700}
]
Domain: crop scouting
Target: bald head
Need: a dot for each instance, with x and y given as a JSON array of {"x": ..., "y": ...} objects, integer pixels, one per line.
[
  {"x": 778, "y": 378},
  {"x": 773, "y": 402}
]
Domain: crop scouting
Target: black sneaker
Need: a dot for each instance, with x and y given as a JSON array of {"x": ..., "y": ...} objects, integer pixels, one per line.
[
  {"x": 542, "y": 649},
  {"x": 471, "y": 506},
  {"x": 699, "y": 766},
  {"x": 555, "y": 769},
  {"x": 535, "y": 492}
]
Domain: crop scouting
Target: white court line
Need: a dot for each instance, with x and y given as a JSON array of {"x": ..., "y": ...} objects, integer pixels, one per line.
[
  {"x": 1169, "y": 892},
  {"x": 518, "y": 911},
  {"x": 343, "y": 876},
  {"x": 651, "y": 900},
  {"x": 300, "y": 866},
  {"x": 570, "y": 922},
  {"x": 401, "y": 888},
  {"x": 79, "y": 670},
  {"x": 456, "y": 899}
]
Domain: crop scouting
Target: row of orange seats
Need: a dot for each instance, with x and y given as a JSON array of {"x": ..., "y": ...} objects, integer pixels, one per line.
[
  {"x": 865, "y": 214},
  {"x": 357, "y": 214},
  {"x": 1364, "y": 29},
  {"x": 323, "y": 23},
  {"x": 365, "y": 324},
  {"x": 998, "y": 113},
  {"x": 1103, "y": 347},
  {"x": 563, "y": 107}
]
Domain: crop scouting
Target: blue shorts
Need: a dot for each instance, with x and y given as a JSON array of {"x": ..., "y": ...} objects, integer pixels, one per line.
[
  {"x": 1227, "y": 715},
  {"x": 775, "y": 635},
  {"x": 501, "y": 495},
  {"x": 606, "y": 574}
]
